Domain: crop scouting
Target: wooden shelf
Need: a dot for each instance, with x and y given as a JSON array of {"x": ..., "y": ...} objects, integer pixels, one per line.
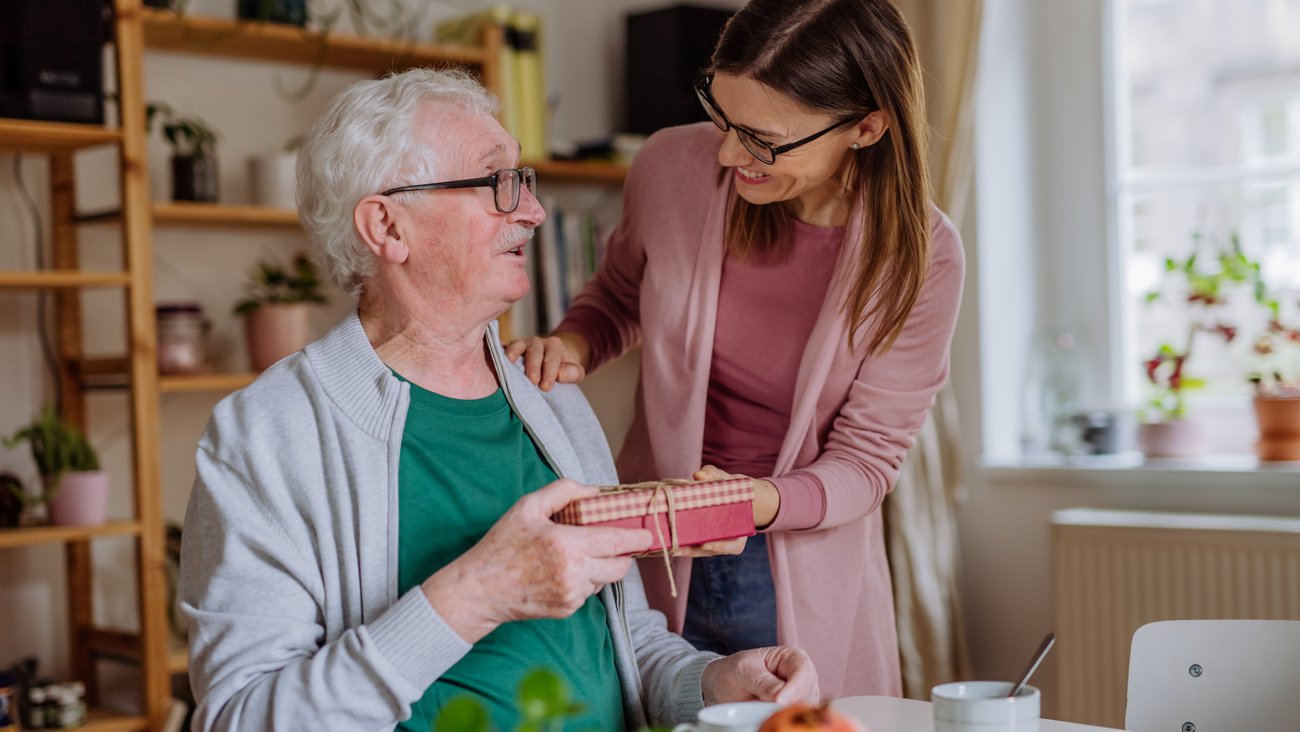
[
  {"x": 62, "y": 278},
  {"x": 167, "y": 31},
  {"x": 99, "y": 720},
  {"x": 50, "y": 534},
  {"x": 205, "y": 382},
  {"x": 574, "y": 171},
  {"x": 184, "y": 213},
  {"x": 23, "y": 134}
]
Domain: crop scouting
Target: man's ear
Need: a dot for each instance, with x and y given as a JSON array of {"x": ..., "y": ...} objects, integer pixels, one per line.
[
  {"x": 376, "y": 220},
  {"x": 871, "y": 128}
]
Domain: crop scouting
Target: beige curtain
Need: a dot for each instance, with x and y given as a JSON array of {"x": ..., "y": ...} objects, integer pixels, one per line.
[{"x": 920, "y": 513}]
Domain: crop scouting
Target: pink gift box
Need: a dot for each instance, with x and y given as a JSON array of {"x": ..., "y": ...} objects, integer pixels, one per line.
[{"x": 703, "y": 511}]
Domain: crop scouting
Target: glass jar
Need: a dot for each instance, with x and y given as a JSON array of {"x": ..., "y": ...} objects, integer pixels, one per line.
[{"x": 181, "y": 329}]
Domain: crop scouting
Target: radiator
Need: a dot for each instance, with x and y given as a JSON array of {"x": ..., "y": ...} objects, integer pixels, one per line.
[{"x": 1114, "y": 571}]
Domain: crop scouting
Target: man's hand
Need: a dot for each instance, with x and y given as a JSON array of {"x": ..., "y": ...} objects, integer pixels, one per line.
[
  {"x": 528, "y": 566},
  {"x": 782, "y": 674}
]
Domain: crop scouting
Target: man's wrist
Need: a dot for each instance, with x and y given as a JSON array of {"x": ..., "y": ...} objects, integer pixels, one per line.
[{"x": 453, "y": 597}]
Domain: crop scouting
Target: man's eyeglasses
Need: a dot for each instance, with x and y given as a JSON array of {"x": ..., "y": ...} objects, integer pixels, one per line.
[
  {"x": 505, "y": 185},
  {"x": 762, "y": 151}
]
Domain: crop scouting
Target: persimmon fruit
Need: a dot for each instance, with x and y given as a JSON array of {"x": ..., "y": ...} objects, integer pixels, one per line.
[{"x": 804, "y": 718}]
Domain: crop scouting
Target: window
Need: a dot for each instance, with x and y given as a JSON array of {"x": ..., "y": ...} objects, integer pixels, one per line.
[{"x": 1206, "y": 126}]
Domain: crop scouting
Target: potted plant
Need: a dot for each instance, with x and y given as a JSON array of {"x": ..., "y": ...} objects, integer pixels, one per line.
[
  {"x": 1277, "y": 389},
  {"x": 273, "y": 176},
  {"x": 194, "y": 160},
  {"x": 74, "y": 486},
  {"x": 1204, "y": 290},
  {"x": 275, "y": 311}
]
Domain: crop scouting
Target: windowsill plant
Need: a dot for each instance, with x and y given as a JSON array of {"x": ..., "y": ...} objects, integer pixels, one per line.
[
  {"x": 275, "y": 311},
  {"x": 1277, "y": 389},
  {"x": 1205, "y": 290}
]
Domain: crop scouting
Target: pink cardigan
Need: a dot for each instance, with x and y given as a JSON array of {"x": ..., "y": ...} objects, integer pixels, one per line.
[{"x": 853, "y": 420}]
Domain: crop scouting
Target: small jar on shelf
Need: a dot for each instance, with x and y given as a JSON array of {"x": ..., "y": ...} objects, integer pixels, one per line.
[{"x": 181, "y": 330}]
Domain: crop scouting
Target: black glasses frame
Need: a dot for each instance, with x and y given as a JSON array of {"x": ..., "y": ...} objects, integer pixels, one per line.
[
  {"x": 762, "y": 151},
  {"x": 526, "y": 176}
]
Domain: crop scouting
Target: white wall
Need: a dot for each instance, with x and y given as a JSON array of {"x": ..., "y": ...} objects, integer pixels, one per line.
[{"x": 583, "y": 57}]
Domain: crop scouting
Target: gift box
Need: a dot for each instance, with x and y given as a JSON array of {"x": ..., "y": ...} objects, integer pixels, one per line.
[{"x": 677, "y": 512}]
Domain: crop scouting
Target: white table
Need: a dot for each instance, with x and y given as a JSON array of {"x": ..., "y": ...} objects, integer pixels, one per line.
[{"x": 891, "y": 714}]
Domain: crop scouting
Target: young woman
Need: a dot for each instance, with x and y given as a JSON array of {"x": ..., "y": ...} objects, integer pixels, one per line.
[{"x": 794, "y": 292}]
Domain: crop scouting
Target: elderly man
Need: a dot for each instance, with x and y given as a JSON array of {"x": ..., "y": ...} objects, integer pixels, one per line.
[{"x": 369, "y": 535}]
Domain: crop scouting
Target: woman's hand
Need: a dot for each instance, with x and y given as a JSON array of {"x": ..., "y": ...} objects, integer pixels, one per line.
[
  {"x": 766, "y": 503},
  {"x": 561, "y": 358}
]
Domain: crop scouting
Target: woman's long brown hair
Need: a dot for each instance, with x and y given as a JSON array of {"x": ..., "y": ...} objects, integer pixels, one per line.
[{"x": 846, "y": 58}]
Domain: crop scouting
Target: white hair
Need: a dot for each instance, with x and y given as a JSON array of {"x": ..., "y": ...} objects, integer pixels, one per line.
[{"x": 364, "y": 144}]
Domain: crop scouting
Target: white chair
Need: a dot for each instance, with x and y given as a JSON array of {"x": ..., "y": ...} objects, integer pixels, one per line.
[{"x": 1215, "y": 676}]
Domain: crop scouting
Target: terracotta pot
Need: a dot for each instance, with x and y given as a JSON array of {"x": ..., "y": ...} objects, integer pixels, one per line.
[
  {"x": 1178, "y": 438},
  {"x": 81, "y": 500},
  {"x": 274, "y": 332},
  {"x": 1279, "y": 428}
]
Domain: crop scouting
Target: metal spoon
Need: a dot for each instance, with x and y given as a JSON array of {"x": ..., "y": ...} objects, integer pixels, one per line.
[{"x": 1043, "y": 648}]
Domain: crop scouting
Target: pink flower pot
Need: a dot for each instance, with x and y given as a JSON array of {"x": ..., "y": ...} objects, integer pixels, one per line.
[
  {"x": 274, "y": 332},
  {"x": 1279, "y": 428},
  {"x": 1179, "y": 438},
  {"x": 81, "y": 500}
]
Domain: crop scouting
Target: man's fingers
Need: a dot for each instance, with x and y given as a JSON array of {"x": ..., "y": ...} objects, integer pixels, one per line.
[
  {"x": 610, "y": 570},
  {"x": 551, "y": 498},
  {"x": 515, "y": 349},
  {"x": 800, "y": 675},
  {"x": 608, "y": 542}
]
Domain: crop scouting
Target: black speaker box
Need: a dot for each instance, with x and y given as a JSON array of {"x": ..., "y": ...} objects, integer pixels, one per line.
[
  {"x": 666, "y": 51},
  {"x": 51, "y": 59}
]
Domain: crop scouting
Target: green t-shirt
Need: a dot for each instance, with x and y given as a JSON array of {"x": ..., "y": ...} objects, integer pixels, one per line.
[{"x": 464, "y": 463}]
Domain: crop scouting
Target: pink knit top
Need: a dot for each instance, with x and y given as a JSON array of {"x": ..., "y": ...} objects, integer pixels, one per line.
[
  {"x": 853, "y": 415},
  {"x": 766, "y": 309}
]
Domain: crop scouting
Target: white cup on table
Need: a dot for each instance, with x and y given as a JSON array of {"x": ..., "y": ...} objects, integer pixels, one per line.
[
  {"x": 733, "y": 717},
  {"x": 983, "y": 706}
]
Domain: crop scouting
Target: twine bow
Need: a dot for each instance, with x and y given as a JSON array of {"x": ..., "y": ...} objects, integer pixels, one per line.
[{"x": 656, "y": 487}]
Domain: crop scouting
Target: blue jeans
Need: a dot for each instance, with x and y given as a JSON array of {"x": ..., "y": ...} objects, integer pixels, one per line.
[{"x": 731, "y": 605}]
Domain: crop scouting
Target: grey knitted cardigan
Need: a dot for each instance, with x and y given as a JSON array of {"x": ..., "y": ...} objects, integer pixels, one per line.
[{"x": 289, "y": 563}]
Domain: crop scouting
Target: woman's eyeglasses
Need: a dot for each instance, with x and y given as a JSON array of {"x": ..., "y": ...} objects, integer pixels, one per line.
[
  {"x": 762, "y": 151},
  {"x": 505, "y": 185}
]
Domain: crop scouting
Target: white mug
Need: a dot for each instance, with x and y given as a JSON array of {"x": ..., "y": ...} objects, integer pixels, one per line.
[
  {"x": 734, "y": 717},
  {"x": 983, "y": 706}
]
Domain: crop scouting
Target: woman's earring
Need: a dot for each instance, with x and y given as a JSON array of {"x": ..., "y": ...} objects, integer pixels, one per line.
[{"x": 855, "y": 146}]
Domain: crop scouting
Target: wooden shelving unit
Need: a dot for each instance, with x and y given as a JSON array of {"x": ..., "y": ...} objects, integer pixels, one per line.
[
  {"x": 68, "y": 278},
  {"x": 21, "y": 134},
  {"x": 98, "y": 720},
  {"x": 182, "y": 213},
  {"x": 52, "y": 534},
  {"x": 570, "y": 171},
  {"x": 168, "y": 31},
  {"x": 205, "y": 382}
]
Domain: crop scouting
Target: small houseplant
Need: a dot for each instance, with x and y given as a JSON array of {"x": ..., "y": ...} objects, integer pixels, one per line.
[
  {"x": 194, "y": 160},
  {"x": 1204, "y": 290},
  {"x": 74, "y": 486},
  {"x": 275, "y": 311},
  {"x": 1277, "y": 389}
]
